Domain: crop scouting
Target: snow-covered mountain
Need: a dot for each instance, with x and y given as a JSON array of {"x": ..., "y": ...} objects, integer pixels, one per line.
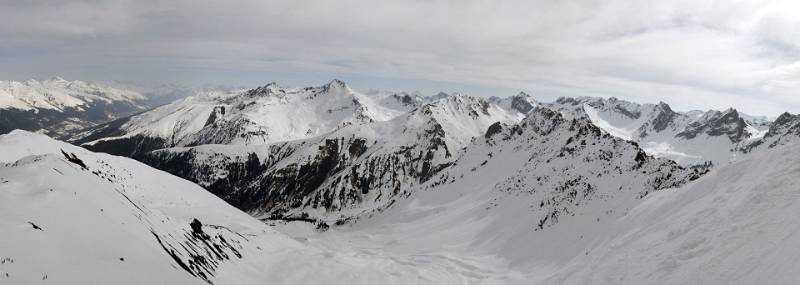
[
  {"x": 733, "y": 225},
  {"x": 57, "y": 106},
  {"x": 263, "y": 115},
  {"x": 520, "y": 104},
  {"x": 70, "y": 216},
  {"x": 354, "y": 170},
  {"x": 690, "y": 138},
  {"x": 332, "y": 154},
  {"x": 562, "y": 167},
  {"x": 784, "y": 130}
]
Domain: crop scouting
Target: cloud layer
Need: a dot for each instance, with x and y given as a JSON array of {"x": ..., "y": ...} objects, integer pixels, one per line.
[{"x": 692, "y": 54}]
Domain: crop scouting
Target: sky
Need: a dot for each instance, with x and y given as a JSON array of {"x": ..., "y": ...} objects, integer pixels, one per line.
[{"x": 691, "y": 54}]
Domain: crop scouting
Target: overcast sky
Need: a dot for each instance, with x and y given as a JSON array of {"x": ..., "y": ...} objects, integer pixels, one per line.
[{"x": 691, "y": 54}]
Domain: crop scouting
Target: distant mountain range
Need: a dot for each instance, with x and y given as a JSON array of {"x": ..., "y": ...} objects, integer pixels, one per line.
[{"x": 58, "y": 107}]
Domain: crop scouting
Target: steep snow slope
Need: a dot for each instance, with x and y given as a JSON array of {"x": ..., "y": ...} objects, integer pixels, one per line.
[
  {"x": 354, "y": 170},
  {"x": 266, "y": 114},
  {"x": 57, "y": 106},
  {"x": 737, "y": 225},
  {"x": 70, "y": 216}
]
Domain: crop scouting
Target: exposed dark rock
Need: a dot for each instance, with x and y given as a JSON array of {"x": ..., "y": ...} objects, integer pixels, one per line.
[
  {"x": 35, "y": 227},
  {"x": 63, "y": 123},
  {"x": 134, "y": 146},
  {"x": 786, "y": 123},
  {"x": 520, "y": 104},
  {"x": 357, "y": 147},
  {"x": 106, "y": 130},
  {"x": 216, "y": 114},
  {"x": 726, "y": 123},
  {"x": 71, "y": 157},
  {"x": 495, "y": 128},
  {"x": 340, "y": 174},
  {"x": 559, "y": 190},
  {"x": 664, "y": 118},
  {"x": 197, "y": 251},
  {"x": 627, "y": 113}
]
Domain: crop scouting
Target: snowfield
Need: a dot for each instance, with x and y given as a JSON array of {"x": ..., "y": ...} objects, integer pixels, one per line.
[{"x": 737, "y": 225}]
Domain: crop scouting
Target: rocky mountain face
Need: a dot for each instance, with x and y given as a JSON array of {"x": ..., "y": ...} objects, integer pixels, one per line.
[
  {"x": 784, "y": 130},
  {"x": 559, "y": 166},
  {"x": 505, "y": 198},
  {"x": 690, "y": 138},
  {"x": 58, "y": 107},
  {"x": 539, "y": 191},
  {"x": 352, "y": 171},
  {"x": 521, "y": 104},
  {"x": 715, "y": 123}
]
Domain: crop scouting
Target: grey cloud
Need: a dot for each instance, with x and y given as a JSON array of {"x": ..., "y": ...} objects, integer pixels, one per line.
[{"x": 695, "y": 54}]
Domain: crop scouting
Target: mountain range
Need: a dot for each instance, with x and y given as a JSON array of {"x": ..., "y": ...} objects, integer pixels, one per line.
[{"x": 291, "y": 185}]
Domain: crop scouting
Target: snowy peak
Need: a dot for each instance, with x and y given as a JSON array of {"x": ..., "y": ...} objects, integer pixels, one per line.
[
  {"x": 464, "y": 117},
  {"x": 519, "y": 104},
  {"x": 458, "y": 103},
  {"x": 336, "y": 84},
  {"x": 523, "y": 103},
  {"x": 692, "y": 138},
  {"x": 716, "y": 123},
  {"x": 410, "y": 101},
  {"x": 345, "y": 174},
  {"x": 573, "y": 107},
  {"x": 660, "y": 119},
  {"x": 784, "y": 130},
  {"x": 262, "y": 115},
  {"x": 270, "y": 88},
  {"x": 438, "y": 96},
  {"x": 784, "y": 124}
]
